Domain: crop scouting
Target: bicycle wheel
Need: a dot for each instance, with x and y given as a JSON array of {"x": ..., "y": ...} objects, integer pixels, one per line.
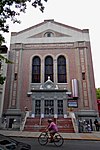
[
  {"x": 58, "y": 140},
  {"x": 43, "y": 138}
]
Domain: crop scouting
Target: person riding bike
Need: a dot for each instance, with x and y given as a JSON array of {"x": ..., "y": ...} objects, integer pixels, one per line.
[{"x": 52, "y": 128}]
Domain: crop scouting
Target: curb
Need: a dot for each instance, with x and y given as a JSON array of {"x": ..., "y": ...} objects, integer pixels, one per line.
[
  {"x": 65, "y": 138},
  {"x": 84, "y": 139},
  {"x": 88, "y": 137}
]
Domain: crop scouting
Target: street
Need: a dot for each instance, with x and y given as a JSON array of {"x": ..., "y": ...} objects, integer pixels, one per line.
[{"x": 68, "y": 144}]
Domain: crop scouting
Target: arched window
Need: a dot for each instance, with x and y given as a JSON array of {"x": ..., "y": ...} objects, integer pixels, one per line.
[
  {"x": 48, "y": 34},
  {"x": 36, "y": 68},
  {"x": 61, "y": 69},
  {"x": 48, "y": 68}
]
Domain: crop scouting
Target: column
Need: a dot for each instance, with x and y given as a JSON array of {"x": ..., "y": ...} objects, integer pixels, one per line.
[
  {"x": 55, "y": 108},
  {"x": 55, "y": 70},
  {"x": 65, "y": 107},
  {"x": 42, "y": 70},
  {"x": 42, "y": 108},
  {"x": 33, "y": 107}
]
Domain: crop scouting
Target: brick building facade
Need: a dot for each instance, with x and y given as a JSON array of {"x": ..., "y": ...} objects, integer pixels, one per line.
[{"x": 53, "y": 62}]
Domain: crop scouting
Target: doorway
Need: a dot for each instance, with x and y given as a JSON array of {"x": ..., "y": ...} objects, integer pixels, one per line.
[{"x": 49, "y": 107}]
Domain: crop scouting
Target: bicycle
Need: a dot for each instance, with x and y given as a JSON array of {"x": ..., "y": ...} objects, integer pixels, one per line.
[{"x": 44, "y": 138}]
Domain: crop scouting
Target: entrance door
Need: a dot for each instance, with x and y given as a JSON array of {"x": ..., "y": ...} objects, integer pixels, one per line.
[
  {"x": 49, "y": 107},
  {"x": 37, "y": 108},
  {"x": 60, "y": 107},
  {"x": 11, "y": 121}
]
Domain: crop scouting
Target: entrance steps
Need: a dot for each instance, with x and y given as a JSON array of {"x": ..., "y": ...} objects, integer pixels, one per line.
[{"x": 65, "y": 125}]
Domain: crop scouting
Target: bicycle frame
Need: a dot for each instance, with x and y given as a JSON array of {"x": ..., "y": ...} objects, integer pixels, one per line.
[{"x": 45, "y": 136}]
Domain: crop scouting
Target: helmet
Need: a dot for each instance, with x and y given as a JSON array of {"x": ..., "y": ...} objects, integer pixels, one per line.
[{"x": 49, "y": 120}]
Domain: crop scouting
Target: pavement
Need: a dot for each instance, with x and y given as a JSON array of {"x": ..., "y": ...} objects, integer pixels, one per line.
[{"x": 67, "y": 136}]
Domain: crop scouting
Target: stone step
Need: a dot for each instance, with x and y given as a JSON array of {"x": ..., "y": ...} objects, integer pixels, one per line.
[{"x": 33, "y": 124}]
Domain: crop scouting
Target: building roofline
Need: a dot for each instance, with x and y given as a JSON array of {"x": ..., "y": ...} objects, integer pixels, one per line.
[{"x": 52, "y": 21}]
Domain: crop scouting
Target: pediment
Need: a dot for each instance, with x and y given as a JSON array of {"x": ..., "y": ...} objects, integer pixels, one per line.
[
  {"x": 60, "y": 33},
  {"x": 54, "y": 34},
  {"x": 49, "y": 85}
]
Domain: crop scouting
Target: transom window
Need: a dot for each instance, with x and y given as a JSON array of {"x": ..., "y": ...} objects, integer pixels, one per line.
[
  {"x": 36, "y": 68},
  {"x": 61, "y": 68}
]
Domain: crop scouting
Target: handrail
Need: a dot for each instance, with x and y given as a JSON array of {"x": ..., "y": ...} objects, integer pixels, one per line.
[
  {"x": 74, "y": 121},
  {"x": 40, "y": 120},
  {"x": 24, "y": 121}
]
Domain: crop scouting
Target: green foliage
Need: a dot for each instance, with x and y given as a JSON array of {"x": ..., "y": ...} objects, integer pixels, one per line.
[
  {"x": 2, "y": 79},
  {"x": 2, "y": 39},
  {"x": 6, "y": 60},
  {"x": 10, "y": 9},
  {"x": 98, "y": 93}
]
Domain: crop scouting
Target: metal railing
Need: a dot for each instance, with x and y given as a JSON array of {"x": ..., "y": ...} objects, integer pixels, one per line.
[
  {"x": 74, "y": 121},
  {"x": 24, "y": 121}
]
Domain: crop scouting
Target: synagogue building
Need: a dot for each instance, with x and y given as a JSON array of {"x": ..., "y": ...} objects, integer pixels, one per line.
[{"x": 52, "y": 73}]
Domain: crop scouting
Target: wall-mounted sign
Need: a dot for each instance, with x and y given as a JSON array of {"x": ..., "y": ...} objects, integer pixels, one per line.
[{"x": 72, "y": 103}]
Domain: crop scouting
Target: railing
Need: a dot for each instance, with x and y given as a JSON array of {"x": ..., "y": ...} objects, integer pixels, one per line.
[
  {"x": 40, "y": 121},
  {"x": 24, "y": 121},
  {"x": 74, "y": 121}
]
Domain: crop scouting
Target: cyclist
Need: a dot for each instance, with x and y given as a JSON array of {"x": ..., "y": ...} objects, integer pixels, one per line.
[{"x": 52, "y": 128}]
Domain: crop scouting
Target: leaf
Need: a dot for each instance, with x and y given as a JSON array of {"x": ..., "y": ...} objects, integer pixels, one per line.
[
  {"x": 2, "y": 80},
  {"x": 6, "y": 60}
]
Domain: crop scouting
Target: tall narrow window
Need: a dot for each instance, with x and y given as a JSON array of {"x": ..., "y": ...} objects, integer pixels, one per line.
[
  {"x": 83, "y": 75},
  {"x": 48, "y": 68},
  {"x": 61, "y": 68},
  {"x": 36, "y": 68}
]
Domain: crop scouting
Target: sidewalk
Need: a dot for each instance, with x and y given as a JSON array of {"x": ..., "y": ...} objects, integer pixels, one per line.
[{"x": 66, "y": 136}]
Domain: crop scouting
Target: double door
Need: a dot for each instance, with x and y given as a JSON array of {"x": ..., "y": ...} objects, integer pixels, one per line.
[{"x": 50, "y": 107}]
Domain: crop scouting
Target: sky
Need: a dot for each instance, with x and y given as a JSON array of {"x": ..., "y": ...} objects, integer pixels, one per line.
[{"x": 82, "y": 14}]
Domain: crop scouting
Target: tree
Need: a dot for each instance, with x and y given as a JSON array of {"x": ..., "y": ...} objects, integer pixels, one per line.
[
  {"x": 10, "y": 9},
  {"x": 3, "y": 50},
  {"x": 98, "y": 93}
]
